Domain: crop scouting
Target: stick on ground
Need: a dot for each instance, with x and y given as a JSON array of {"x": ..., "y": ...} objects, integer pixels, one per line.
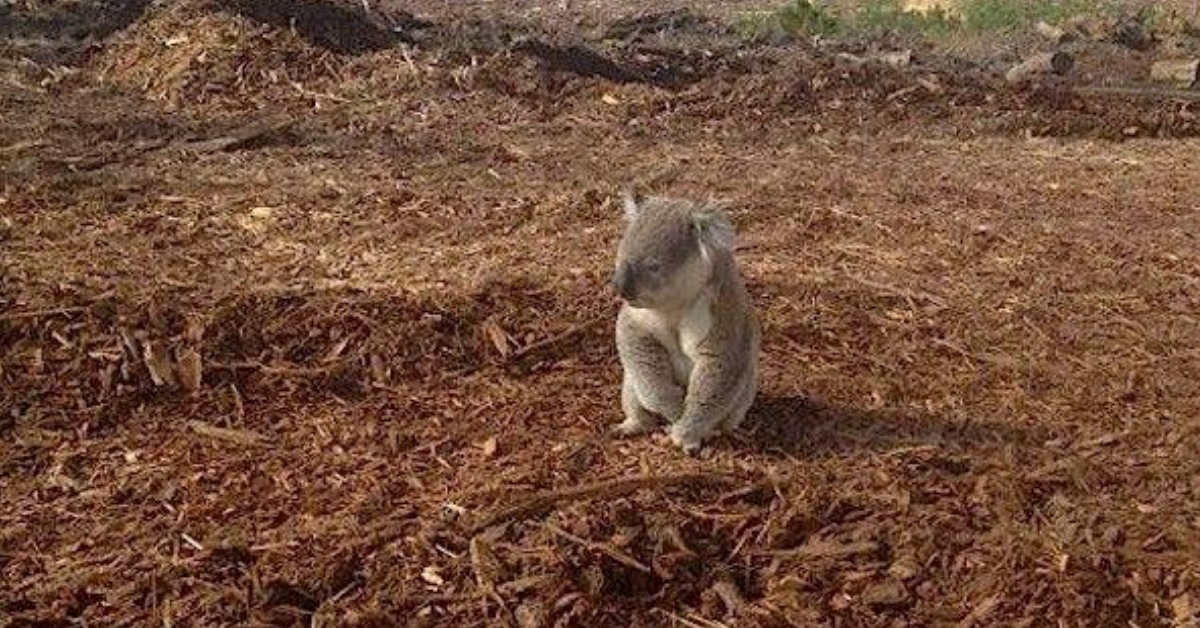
[
  {"x": 541, "y": 503},
  {"x": 555, "y": 339},
  {"x": 611, "y": 552},
  {"x": 241, "y": 437}
]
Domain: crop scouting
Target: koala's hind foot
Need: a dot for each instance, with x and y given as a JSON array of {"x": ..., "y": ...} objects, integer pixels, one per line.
[
  {"x": 633, "y": 426},
  {"x": 638, "y": 420}
]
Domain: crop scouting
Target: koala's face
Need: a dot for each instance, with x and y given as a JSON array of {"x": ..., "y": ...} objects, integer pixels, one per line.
[{"x": 660, "y": 263}]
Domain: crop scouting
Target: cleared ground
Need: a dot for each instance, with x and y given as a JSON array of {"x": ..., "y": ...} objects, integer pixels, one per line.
[{"x": 388, "y": 269}]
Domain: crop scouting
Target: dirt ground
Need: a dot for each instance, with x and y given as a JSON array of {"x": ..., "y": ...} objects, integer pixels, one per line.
[{"x": 304, "y": 320}]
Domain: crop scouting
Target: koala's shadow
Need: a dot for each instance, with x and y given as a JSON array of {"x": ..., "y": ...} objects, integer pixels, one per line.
[{"x": 798, "y": 426}]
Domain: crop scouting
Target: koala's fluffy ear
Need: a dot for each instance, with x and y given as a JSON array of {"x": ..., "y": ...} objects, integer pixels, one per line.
[
  {"x": 631, "y": 201},
  {"x": 714, "y": 228}
]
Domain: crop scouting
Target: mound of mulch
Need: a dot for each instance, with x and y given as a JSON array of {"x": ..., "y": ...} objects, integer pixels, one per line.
[{"x": 197, "y": 53}]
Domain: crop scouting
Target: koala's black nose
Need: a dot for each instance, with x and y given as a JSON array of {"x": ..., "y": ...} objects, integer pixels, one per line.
[{"x": 623, "y": 282}]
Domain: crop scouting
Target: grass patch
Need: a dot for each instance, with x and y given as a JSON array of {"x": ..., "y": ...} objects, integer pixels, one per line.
[
  {"x": 1001, "y": 16},
  {"x": 804, "y": 18},
  {"x": 796, "y": 18},
  {"x": 883, "y": 16}
]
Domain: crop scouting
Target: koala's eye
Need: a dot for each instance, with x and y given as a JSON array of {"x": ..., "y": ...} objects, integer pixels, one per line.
[{"x": 652, "y": 266}]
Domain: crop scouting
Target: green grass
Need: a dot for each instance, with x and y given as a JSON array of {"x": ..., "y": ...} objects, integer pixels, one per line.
[
  {"x": 1001, "y": 16},
  {"x": 883, "y": 16},
  {"x": 805, "y": 18},
  {"x": 796, "y": 18}
]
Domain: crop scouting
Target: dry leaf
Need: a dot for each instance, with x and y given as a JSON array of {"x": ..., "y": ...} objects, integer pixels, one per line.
[
  {"x": 730, "y": 595},
  {"x": 840, "y": 602},
  {"x": 190, "y": 370},
  {"x": 904, "y": 567},
  {"x": 430, "y": 575},
  {"x": 489, "y": 447},
  {"x": 239, "y": 409},
  {"x": 379, "y": 371},
  {"x": 158, "y": 362},
  {"x": 107, "y": 379},
  {"x": 523, "y": 585},
  {"x": 609, "y": 99},
  {"x": 981, "y": 611},
  {"x": 531, "y": 614},
  {"x": 130, "y": 345},
  {"x": 890, "y": 593},
  {"x": 57, "y": 478},
  {"x": 37, "y": 365},
  {"x": 487, "y": 567},
  {"x": 1183, "y": 614},
  {"x": 61, "y": 340},
  {"x": 193, "y": 332},
  {"x": 336, "y": 350},
  {"x": 499, "y": 338}
]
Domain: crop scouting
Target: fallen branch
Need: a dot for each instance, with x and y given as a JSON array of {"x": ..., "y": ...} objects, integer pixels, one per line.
[
  {"x": 20, "y": 146},
  {"x": 611, "y": 552},
  {"x": 825, "y": 549},
  {"x": 899, "y": 292},
  {"x": 1188, "y": 95},
  {"x": 242, "y": 135},
  {"x": 553, "y": 340},
  {"x": 542, "y": 503},
  {"x": 16, "y": 316},
  {"x": 241, "y": 437}
]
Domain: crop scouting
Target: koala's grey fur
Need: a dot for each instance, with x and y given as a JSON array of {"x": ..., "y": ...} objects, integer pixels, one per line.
[{"x": 687, "y": 333}]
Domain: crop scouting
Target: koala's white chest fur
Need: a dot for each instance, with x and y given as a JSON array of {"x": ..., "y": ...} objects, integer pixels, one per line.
[{"x": 680, "y": 334}]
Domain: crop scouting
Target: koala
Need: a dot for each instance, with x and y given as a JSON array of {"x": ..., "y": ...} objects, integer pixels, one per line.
[{"x": 687, "y": 334}]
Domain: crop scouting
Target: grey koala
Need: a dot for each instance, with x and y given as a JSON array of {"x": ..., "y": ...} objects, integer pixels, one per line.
[{"x": 687, "y": 334}]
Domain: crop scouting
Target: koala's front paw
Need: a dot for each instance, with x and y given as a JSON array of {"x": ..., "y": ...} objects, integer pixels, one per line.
[{"x": 686, "y": 439}]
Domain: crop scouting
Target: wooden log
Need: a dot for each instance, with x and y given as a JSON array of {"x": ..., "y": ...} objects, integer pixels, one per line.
[
  {"x": 1179, "y": 72},
  {"x": 1057, "y": 63}
]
